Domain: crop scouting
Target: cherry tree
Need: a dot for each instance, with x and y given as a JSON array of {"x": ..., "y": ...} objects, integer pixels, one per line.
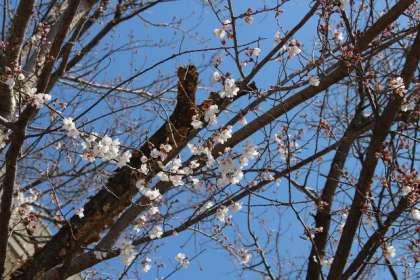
[{"x": 284, "y": 133}]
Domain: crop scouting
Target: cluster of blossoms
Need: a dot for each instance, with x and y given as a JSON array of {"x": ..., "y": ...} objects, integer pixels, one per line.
[
  {"x": 201, "y": 150},
  {"x": 151, "y": 194},
  {"x": 127, "y": 251},
  {"x": 231, "y": 173},
  {"x": 287, "y": 145},
  {"x": 28, "y": 218},
  {"x": 41, "y": 35},
  {"x": 409, "y": 181},
  {"x": 147, "y": 264},
  {"x": 397, "y": 85},
  {"x": 389, "y": 251},
  {"x": 156, "y": 232},
  {"x": 37, "y": 100},
  {"x": 223, "y": 136},
  {"x": 152, "y": 214},
  {"x": 33, "y": 97},
  {"x": 176, "y": 173},
  {"x": 25, "y": 212},
  {"x": 230, "y": 89},
  {"x": 222, "y": 213},
  {"x": 223, "y": 31},
  {"x": 182, "y": 259},
  {"x": 96, "y": 147}
]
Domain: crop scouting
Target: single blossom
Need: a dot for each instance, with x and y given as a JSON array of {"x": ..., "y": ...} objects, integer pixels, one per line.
[
  {"x": 147, "y": 264},
  {"x": 389, "y": 251},
  {"x": 219, "y": 33},
  {"x": 254, "y": 51},
  {"x": 221, "y": 213},
  {"x": 210, "y": 115},
  {"x": 314, "y": 81},
  {"x": 182, "y": 259},
  {"x": 277, "y": 37},
  {"x": 80, "y": 212},
  {"x": 230, "y": 89},
  {"x": 415, "y": 212},
  {"x": 338, "y": 36},
  {"x": 196, "y": 123},
  {"x": 124, "y": 158},
  {"x": 165, "y": 148},
  {"x": 224, "y": 135},
  {"x": 236, "y": 206},
  {"x": 244, "y": 256},
  {"x": 217, "y": 77},
  {"x": 294, "y": 48},
  {"x": 70, "y": 127}
]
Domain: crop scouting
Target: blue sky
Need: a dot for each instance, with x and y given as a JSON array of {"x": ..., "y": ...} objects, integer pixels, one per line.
[{"x": 214, "y": 262}]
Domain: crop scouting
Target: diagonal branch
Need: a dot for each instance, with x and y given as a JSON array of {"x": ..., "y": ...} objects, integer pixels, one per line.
[
  {"x": 323, "y": 215},
  {"x": 374, "y": 241},
  {"x": 112, "y": 200},
  {"x": 380, "y": 132}
]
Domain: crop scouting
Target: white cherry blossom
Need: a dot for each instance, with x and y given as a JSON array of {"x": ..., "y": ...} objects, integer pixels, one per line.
[
  {"x": 219, "y": 33},
  {"x": 196, "y": 123},
  {"x": 124, "y": 158},
  {"x": 314, "y": 81},
  {"x": 293, "y": 48},
  {"x": 210, "y": 114},
  {"x": 127, "y": 251},
  {"x": 217, "y": 77},
  {"x": 221, "y": 213},
  {"x": 230, "y": 89},
  {"x": 156, "y": 232},
  {"x": 236, "y": 206},
  {"x": 182, "y": 259},
  {"x": 254, "y": 51},
  {"x": 415, "y": 212},
  {"x": 147, "y": 264},
  {"x": 389, "y": 251},
  {"x": 70, "y": 127}
]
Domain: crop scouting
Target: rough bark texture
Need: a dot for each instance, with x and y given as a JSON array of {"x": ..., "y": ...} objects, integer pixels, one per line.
[{"x": 112, "y": 200}]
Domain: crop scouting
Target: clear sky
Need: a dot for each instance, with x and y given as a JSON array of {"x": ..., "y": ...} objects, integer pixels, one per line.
[{"x": 213, "y": 262}]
